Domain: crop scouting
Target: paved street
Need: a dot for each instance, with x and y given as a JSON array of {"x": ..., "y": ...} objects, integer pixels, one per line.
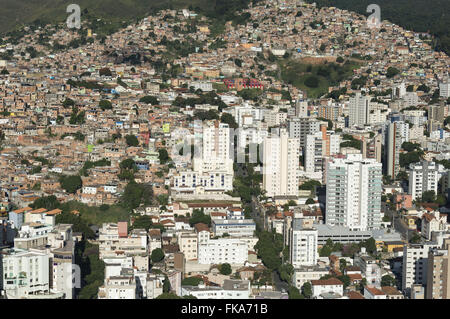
[{"x": 399, "y": 225}]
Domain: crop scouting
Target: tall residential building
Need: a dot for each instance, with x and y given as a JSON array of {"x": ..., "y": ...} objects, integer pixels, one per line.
[
  {"x": 444, "y": 88},
  {"x": 330, "y": 112},
  {"x": 303, "y": 243},
  {"x": 415, "y": 265},
  {"x": 301, "y": 109},
  {"x": 353, "y": 194},
  {"x": 423, "y": 176},
  {"x": 396, "y": 134},
  {"x": 437, "y": 112},
  {"x": 398, "y": 91},
  {"x": 216, "y": 151},
  {"x": 301, "y": 127},
  {"x": 314, "y": 153},
  {"x": 358, "y": 110},
  {"x": 280, "y": 165},
  {"x": 438, "y": 276},
  {"x": 213, "y": 162},
  {"x": 318, "y": 146},
  {"x": 372, "y": 148}
]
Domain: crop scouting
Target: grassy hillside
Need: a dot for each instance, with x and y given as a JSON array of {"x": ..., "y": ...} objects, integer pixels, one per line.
[
  {"x": 419, "y": 15},
  {"x": 315, "y": 79},
  {"x": 16, "y": 13}
]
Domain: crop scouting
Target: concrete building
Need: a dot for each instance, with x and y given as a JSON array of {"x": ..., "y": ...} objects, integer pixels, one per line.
[
  {"x": 188, "y": 243},
  {"x": 25, "y": 272},
  {"x": 369, "y": 269},
  {"x": 280, "y": 165},
  {"x": 231, "y": 289},
  {"x": 319, "y": 146},
  {"x": 234, "y": 227},
  {"x": 396, "y": 134},
  {"x": 444, "y": 88},
  {"x": 371, "y": 292},
  {"x": 415, "y": 265},
  {"x": 215, "y": 154},
  {"x": 358, "y": 110},
  {"x": 372, "y": 148},
  {"x": 119, "y": 287},
  {"x": 223, "y": 250},
  {"x": 305, "y": 274},
  {"x": 438, "y": 275},
  {"x": 423, "y": 177},
  {"x": 332, "y": 285},
  {"x": 353, "y": 194},
  {"x": 303, "y": 245},
  {"x": 301, "y": 127}
]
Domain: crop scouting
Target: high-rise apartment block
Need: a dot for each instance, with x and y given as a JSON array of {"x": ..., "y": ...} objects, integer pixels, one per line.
[
  {"x": 353, "y": 194},
  {"x": 280, "y": 165}
]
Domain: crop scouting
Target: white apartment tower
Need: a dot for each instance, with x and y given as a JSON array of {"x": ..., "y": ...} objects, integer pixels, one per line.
[
  {"x": 318, "y": 146},
  {"x": 216, "y": 151},
  {"x": 301, "y": 109},
  {"x": 303, "y": 243},
  {"x": 353, "y": 195},
  {"x": 280, "y": 165},
  {"x": 301, "y": 127},
  {"x": 444, "y": 88},
  {"x": 423, "y": 176},
  {"x": 415, "y": 262},
  {"x": 358, "y": 110},
  {"x": 397, "y": 133}
]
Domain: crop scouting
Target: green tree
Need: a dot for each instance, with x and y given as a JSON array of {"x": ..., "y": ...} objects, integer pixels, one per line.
[
  {"x": 136, "y": 194},
  {"x": 387, "y": 280},
  {"x": 149, "y": 100},
  {"x": 294, "y": 293},
  {"x": 286, "y": 271},
  {"x": 225, "y": 269},
  {"x": 198, "y": 216},
  {"x": 68, "y": 103},
  {"x": 166, "y": 285},
  {"x": 391, "y": 72},
  {"x": 105, "y": 72},
  {"x": 370, "y": 245},
  {"x": 312, "y": 82},
  {"x": 342, "y": 264},
  {"x": 191, "y": 281},
  {"x": 105, "y": 105},
  {"x": 143, "y": 221},
  {"x": 48, "y": 202},
  {"x": 428, "y": 196},
  {"x": 167, "y": 295},
  {"x": 131, "y": 140},
  {"x": 307, "y": 290},
  {"x": 71, "y": 183},
  {"x": 163, "y": 155},
  {"x": 229, "y": 119},
  {"x": 157, "y": 255}
]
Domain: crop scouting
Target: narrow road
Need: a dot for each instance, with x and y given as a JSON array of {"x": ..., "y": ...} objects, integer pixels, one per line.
[
  {"x": 399, "y": 225},
  {"x": 278, "y": 283}
]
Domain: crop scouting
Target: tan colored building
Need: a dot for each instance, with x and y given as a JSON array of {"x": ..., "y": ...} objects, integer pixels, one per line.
[
  {"x": 438, "y": 283},
  {"x": 188, "y": 245}
]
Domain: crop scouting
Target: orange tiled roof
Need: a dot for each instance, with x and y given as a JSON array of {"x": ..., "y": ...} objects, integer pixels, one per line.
[{"x": 22, "y": 210}]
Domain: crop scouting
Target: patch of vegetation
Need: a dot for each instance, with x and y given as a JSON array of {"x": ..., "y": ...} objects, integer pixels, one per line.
[{"x": 315, "y": 79}]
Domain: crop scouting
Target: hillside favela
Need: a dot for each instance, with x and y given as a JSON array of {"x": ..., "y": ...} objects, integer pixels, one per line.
[{"x": 265, "y": 149}]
